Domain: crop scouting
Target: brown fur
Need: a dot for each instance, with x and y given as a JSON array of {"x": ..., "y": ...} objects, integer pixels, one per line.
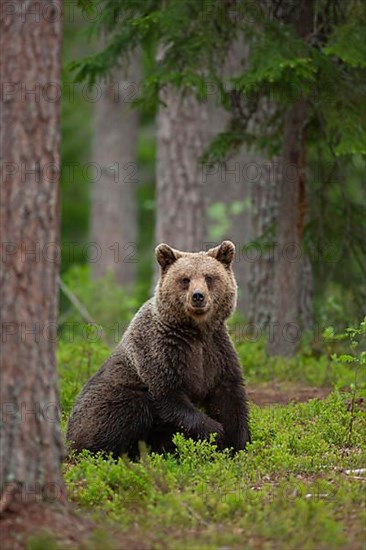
[{"x": 174, "y": 361}]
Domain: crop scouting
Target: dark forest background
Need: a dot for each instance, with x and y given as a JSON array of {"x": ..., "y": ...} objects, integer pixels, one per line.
[{"x": 232, "y": 86}]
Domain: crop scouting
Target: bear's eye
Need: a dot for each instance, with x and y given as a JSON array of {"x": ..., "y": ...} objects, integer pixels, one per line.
[
  {"x": 185, "y": 281},
  {"x": 209, "y": 279}
]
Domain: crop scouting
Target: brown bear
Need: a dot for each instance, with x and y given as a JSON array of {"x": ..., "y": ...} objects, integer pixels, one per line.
[{"x": 175, "y": 369}]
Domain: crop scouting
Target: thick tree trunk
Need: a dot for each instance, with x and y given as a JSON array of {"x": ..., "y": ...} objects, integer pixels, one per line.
[
  {"x": 266, "y": 221},
  {"x": 113, "y": 212},
  {"x": 306, "y": 296},
  {"x": 180, "y": 200},
  {"x": 289, "y": 314},
  {"x": 264, "y": 197},
  {"x": 286, "y": 323},
  {"x": 31, "y": 443}
]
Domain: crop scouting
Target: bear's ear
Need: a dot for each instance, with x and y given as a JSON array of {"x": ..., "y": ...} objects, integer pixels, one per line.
[
  {"x": 224, "y": 253},
  {"x": 166, "y": 256}
]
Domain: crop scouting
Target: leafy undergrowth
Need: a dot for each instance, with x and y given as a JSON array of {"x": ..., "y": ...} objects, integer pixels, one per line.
[
  {"x": 317, "y": 369},
  {"x": 297, "y": 486},
  {"x": 300, "y": 484}
]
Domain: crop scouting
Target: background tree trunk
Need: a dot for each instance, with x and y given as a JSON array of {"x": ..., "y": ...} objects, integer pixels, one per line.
[
  {"x": 180, "y": 200},
  {"x": 290, "y": 272},
  {"x": 306, "y": 312},
  {"x": 31, "y": 444},
  {"x": 113, "y": 211},
  {"x": 264, "y": 197},
  {"x": 285, "y": 327}
]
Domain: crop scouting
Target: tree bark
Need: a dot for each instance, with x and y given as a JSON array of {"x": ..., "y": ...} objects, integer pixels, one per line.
[
  {"x": 180, "y": 200},
  {"x": 264, "y": 198},
  {"x": 289, "y": 273},
  {"x": 31, "y": 443},
  {"x": 306, "y": 312},
  {"x": 113, "y": 209},
  {"x": 284, "y": 336}
]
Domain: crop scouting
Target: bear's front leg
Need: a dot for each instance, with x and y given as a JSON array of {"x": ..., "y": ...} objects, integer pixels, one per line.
[
  {"x": 228, "y": 405},
  {"x": 178, "y": 411}
]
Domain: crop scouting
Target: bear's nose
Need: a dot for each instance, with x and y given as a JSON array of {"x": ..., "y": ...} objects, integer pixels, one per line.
[{"x": 198, "y": 297}]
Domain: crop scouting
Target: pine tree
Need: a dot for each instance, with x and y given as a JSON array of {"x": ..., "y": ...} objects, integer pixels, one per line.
[{"x": 311, "y": 72}]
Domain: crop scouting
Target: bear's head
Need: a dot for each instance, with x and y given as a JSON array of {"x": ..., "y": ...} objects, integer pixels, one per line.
[{"x": 196, "y": 286}]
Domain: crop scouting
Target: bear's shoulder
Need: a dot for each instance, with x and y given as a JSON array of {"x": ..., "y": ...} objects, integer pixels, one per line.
[{"x": 142, "y": 321}]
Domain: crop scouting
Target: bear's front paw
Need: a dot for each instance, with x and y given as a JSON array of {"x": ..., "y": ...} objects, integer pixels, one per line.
[{"x": 213, "y": 427}]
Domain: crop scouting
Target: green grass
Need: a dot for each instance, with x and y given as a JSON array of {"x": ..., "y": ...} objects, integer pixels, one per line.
[
  {"x": 305, "y": 368},
  {"x": 289, "y": 490}
]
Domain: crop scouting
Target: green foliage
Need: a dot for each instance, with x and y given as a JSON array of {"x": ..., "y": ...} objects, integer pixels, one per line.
[
  {"x": 327, "y": 71},
  {"x": 334, "y": 238},
  {"x": 298, "y": 483},
  {"x": 42, "y": 542},
  {"x": 338, "y": 307},
  {"x": 78, "y": 359},
  {"x": 110, "y": 305},
  {"x": 357, "y": 358},
  {"x": 357, "y": 340},
  {"x": 88, "y": 6},
  {"x": 305, "y": 368},
  {"x": 287, "y": 69},
  {"x": 145, "y": 211},
  {"x": 222, "y": 215},
  {"x": 76, "y": 132},
  {"x": 325, "y": 362},
  {"x": 347, "y": 42},
  {"x": 289, "y": 487},
  {"x": 184, "y": 44}
]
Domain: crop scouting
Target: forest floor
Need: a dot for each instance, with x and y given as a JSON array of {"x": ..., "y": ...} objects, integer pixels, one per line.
[
  {"x": 300, "y": 484},
  {"x": 283, "y": 393}
]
